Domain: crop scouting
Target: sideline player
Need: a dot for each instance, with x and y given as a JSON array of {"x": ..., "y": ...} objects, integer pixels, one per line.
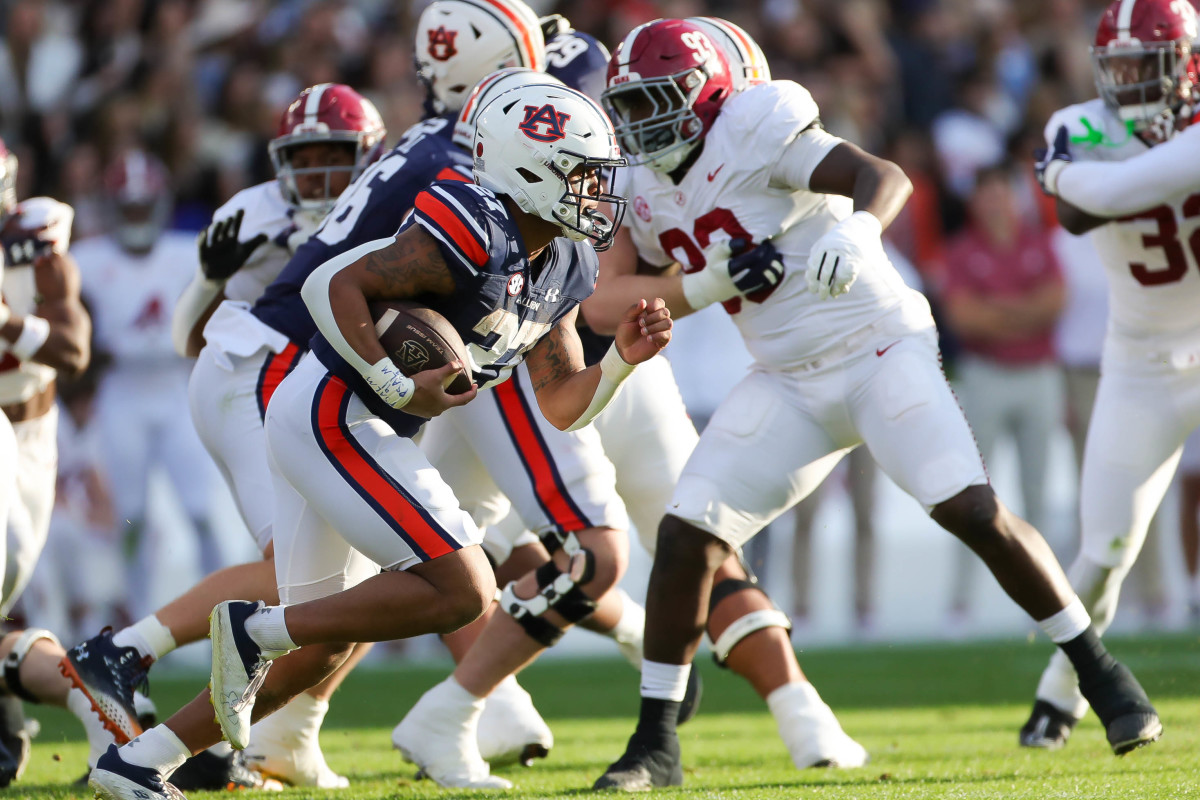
[
  {"x": 353, "y": 492},
  {"x": 830, "y": 374},
  {"x": 1136, "y": 186},
  {"x": 327, "y": 136},
  {"x": 44, "y": 330},
  {"x": 131, "y": 277}
]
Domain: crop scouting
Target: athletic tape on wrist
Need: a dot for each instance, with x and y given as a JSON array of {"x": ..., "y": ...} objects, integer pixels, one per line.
[{"x": 33, "y": 335}]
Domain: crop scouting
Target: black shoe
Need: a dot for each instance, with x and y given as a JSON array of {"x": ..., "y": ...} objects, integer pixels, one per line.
[
  {"x": 10, "y": 766},
  {"x": 647, "y": 763},
  {"x": 1121, "y": 704},
  {"x": 691, "y": 700},
  {"x": 14, "y": 739},
  {"x": 210, "y": 772},
  {"x": 108, "y": 675},
  {"x": 115, "y": 779},
  {"x": 1048, "y": 727}
]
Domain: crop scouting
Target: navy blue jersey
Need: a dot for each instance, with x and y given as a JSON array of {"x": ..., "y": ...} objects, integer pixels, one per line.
[
  {"x": 502, "y": 304},
  {"x": 372, "y": 208}
]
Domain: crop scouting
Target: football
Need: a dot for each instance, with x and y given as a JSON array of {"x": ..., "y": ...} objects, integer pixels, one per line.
[{"x": 418, "y": 338}]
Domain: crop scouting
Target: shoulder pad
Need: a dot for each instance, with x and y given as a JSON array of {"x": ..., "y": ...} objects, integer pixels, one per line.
[{"x": 467, "y": 219}]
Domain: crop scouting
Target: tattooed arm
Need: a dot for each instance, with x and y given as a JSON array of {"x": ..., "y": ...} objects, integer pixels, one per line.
[
  {"x": 338, "y": 292},
  {"x": 571, "y": 394}
]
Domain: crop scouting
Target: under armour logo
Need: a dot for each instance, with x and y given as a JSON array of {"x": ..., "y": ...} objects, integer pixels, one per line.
[
  {"x": 553, "y": 294},
  {"x": 545, "y": 115},
  {"x": 441, "y": 44}
]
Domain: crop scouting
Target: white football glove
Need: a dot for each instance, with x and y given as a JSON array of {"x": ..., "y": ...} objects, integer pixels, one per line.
[
  {"x": 713, "y": 284},
  {"x": 836, "y": 258}
]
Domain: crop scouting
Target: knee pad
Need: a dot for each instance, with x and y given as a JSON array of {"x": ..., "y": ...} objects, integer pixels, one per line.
[
  {"x": 557, "y": 590},
  {"x": 12, "y": 662},
  {"x": 554, "y": 541},
  {"x": 745, "y": 625}
]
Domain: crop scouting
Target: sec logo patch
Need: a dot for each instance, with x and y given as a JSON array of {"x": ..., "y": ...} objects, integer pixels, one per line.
[
  {"x": 641, "y": 208},
  {"x": 516, "y": 283}
]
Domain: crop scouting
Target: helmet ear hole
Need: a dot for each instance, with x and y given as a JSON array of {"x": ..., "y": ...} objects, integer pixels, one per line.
[{"x": 529, "y": 176}]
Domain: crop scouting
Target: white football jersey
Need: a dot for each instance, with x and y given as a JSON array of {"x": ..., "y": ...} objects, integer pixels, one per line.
[
  {"x": 1152, "y": 259},
  {"x": 726, "y": 194},
  {"x": 19, "y": 381},
  {"x": 132, "y": 296},
  {"x": 265, "y": 212}
]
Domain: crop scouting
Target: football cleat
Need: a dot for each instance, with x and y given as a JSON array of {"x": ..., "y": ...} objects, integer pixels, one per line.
[
  {"x": 108, "y": 676},
  {"x": 439, "y": 735},
  {"x": 810, "y": 730},
  {"x": 1118, "y": 699},
  {"x": 15, "y": 744},
  {"x": 649, "y": 762},
  {"x": 115, "y": 779},
  {"x": 1048, "y": 727},
  {"x": 209, "y": 772},
  {"x": 238, "y": 669},
  {"x": 691, "y": 698},
  {"x": 286, "y": 745},
  {"x": 511, "y": 729}
]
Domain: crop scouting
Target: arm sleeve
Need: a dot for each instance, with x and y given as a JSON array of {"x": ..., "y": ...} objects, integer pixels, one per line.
[
  {"x": 1127, "y": 187},
  {"x": 800, "y": 157}
]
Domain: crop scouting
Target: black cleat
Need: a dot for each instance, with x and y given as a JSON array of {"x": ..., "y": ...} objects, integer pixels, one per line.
[
  {"x": 691, "y": 700},
  {"x": 1048, "y": 727},
  {"x": 647, "y": 763},
  {"x": 1121, "y": 704},
  {"x": 108, "y": 675},
  {"x": 209, "y": 772},
  {"x": 10, "y": 765},
  {"x": 116, "y": 779},
  {"x": 15, "y": 744}
]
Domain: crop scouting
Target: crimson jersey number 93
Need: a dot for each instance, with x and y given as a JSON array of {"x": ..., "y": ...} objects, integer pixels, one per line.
[
  {"x": 719, "y": 219},
  {"x": 1166, "y": 237}
]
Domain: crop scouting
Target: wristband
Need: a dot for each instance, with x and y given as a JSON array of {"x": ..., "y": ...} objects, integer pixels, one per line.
[
  {"x": 396, "y": 388},
  {"x": 33, "y": 335}
]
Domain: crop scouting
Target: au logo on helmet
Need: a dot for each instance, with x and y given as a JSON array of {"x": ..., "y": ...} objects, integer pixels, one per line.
[
  {"x": 548, "y": 116},
  {"x": 441, "y": 44}
]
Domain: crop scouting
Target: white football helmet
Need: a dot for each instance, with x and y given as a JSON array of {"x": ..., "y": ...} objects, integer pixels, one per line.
[
  {"x": 553, "y": 151},
  {"x": 461, "y": 41},
  {"x": 494, "y": 85},
  {"x": 747, "y": 62}
]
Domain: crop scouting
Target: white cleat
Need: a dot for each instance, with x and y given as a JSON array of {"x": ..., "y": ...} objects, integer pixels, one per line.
[
  {"x": 511, "y": 729},
  {"x": 285, "y": 746},
  {"x": 238, "y": 669},
  {"x": 811, "y": 732},
  {"x": 439, "y": 735}
]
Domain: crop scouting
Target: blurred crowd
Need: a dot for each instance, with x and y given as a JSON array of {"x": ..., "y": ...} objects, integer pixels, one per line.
[{"x": 955, "y": 91}]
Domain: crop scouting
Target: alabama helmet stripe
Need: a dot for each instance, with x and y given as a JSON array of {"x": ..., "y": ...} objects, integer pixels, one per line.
[
  {"x": 400, "y": 510},
  {"x": 312, "y": 104},
  {"x": 1124, "y": 18}
]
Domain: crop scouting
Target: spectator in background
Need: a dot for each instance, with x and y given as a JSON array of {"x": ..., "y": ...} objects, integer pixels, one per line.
[{"x": 1002, "y": 293}]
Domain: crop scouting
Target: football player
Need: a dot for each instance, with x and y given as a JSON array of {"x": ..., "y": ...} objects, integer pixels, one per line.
[
  {"x": 327, "y": 136},
  {"x": 353, "y": 493},
  {"x": 1126, "y": 166},
  {"x": 741, "y": 189},
  {"x": 131, "y": 278},
  {"x": 44, "y": 330}
]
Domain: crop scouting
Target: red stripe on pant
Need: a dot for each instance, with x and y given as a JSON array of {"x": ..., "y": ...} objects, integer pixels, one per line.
[
  {"x": 278, "y": 367},
  {"x": 384, "y": 496},
  {"x": 537, "y": 460}
]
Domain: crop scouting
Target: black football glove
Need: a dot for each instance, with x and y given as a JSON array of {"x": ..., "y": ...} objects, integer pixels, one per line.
[
  {"x": 1051, "y": 162},
  {"x": 22, "y": 245},
  {"x": 755, "y": 270},
  {"x": 221, "y": 254}
]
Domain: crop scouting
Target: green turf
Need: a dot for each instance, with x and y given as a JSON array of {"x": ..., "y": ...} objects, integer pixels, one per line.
[{"x": 939, "y": 721}]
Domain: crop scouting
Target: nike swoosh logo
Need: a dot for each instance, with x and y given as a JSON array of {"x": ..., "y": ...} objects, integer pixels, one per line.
[
  {"x": 713, "y": 174},
  {"x": 884, "y": 350}
]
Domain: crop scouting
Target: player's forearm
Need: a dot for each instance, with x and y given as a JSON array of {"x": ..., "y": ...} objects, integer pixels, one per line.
[
  {"x": 881, "y": 189},
  {"x": 339, "y": 308},
  {"x": 192, "y": 310},
  {"x": 566, "y": 399},
  {"x": 66, "y": 344},
  {"x": 606, "y": 307},
  {"x": 1111, "y": 190}
]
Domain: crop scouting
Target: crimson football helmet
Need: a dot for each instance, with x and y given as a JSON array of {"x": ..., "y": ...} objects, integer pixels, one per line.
[
  {"x": 8, "y": 182},
  {"x": 1146, "y": 66},
  {"x": 666, "y": 82},
  {"x": 325, "y": 113},
  {"x": 138, "y": 190}
]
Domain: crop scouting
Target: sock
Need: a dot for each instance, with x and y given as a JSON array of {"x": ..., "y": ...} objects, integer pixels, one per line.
[
  {"x": 1089, "y": 656},
  {"x": 268, "y": 628},
  {"x": 1066, "y": 624},
  {"x": 148, "y": 636},
  {"x": 657, "y": 718},
  {"x": 629, "y": 629},
  {"x": 665, "y": 681},
  {"x": 159, "y": 749}
]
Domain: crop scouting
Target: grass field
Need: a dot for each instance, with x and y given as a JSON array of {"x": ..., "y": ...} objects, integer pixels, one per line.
[{"x": 939, "y": 721}]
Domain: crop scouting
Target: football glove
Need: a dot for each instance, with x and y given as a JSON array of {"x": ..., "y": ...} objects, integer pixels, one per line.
[
  {"x": 221, "y": 253},
  {"x": 756, "y": 269},
  {"x": 836, "y": 258},
  {"x": 1050, "y": 162}
]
